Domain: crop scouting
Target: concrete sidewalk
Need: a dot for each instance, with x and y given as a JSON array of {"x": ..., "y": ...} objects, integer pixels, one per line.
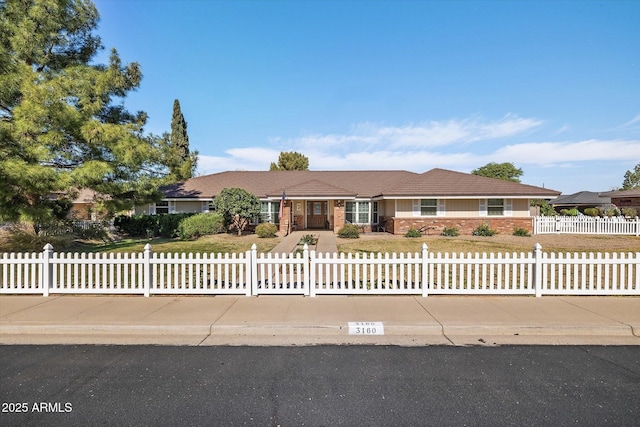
[{"x": 296, "y": 320}]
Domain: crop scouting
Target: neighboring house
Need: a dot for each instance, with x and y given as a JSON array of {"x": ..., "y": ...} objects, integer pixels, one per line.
[
  {"x": 625, "y": 198},
  {"x": 85, "y": 205},
  {"x": 581, "y": 201},
  {"x": 393, "y": 201}
]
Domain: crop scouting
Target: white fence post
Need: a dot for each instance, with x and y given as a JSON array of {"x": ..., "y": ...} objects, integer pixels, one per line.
[
  {"x": 637, "y": 226},
  {"x": 312, "y": 274},
  {"x": 305, "y": 270},
  {"x": 47, "y": 276},
  {"x": 425, "y": 279},
  {"x": 147, "y": 270},
  {"x": 253, "y": 274},
  {"x": 537, "y": 269}
]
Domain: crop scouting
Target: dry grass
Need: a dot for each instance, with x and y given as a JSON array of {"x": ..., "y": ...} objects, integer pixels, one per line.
[
  {"x": 377, "y": 242},
  {"x": 219, "y": 243}
]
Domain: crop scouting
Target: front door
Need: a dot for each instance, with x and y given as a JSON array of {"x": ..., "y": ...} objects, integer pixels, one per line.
[{"x": 317, "y": 214}]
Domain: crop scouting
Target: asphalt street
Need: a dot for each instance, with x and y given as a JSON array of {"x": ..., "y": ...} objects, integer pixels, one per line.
[{"x": 320, "y": 385}]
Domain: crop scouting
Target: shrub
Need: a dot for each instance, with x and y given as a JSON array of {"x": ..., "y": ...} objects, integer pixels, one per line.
[
  {"x": 630, "y": 212},
  {"x": 450, "y": 232},
  {"x": 200, "y": 225},
  {"x": 483, "y": 230},
  {"x": 611, "y": 211},
  {"x": 522, "y": 232},
  {"x": 569, "y": 212},
  {"x": 592, "y": 211},
  {"x": 412, "y": 232},
  {"x": 163, "y": 225},
  {"x": 266, "y": 229},
  {"x": 308, "y": 239},
  {"x": 349, "y": 231}
]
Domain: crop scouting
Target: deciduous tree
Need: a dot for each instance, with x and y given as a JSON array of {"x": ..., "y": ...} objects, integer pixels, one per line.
[
  {"x": 238, "y": 207},
  {"x": 290, "y": 161},
  {"x": 504, "y": 171}
]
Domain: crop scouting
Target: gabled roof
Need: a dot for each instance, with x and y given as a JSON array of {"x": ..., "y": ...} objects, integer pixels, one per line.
[
  {"x": 268, "y": 184},
  {"x": 353, "y": 184},
  {"x": 442, "y": 182},
  {"x": 582, "y": 198}
]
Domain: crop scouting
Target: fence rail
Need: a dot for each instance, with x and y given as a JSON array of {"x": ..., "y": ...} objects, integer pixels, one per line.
[
  {"x": 310, "y": 273},
  {"x": 617, "y": 225}
]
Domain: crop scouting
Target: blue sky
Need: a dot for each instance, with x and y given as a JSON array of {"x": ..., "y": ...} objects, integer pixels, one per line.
[{"x": 552, "y": 86}]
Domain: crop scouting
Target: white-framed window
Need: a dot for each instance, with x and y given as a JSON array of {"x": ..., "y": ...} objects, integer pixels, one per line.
[
  {"x": 428, "y": 207},
  {"x": 269, "y": 212},
  {"x": 374, "y": 213},
  {"x": 163, "y": 207},
  {"x": 357, "y": 212},
  {"x": 495, "y": 207},
  {"x": 207, "y": 206}
]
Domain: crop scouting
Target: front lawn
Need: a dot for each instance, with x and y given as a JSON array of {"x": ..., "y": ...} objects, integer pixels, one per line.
[{"x": 219, "y": 243}]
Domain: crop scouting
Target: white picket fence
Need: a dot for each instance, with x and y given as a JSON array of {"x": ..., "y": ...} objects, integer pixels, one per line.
[
  {"x": 310, "y": 273},
  {"x": 617, "y": 225}
]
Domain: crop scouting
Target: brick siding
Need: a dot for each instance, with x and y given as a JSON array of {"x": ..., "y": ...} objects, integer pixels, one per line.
[{"x": 465, "y": 226}]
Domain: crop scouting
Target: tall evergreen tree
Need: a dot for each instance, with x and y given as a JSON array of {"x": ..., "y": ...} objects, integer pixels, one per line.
[
  {"x": 184, "y": 162},
  {"x": 63, "y": 125}
]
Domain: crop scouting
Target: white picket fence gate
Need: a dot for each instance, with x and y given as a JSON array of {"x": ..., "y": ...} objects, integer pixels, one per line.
[
  {"x": 310, "y": 273},
  {"x": 617, "y": 225}
]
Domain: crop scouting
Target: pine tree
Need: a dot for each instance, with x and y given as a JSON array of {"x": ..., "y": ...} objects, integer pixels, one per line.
[{"x": 60, "y": 127}]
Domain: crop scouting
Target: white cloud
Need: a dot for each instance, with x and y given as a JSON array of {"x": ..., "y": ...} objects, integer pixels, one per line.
[
  {"x": 418, "y": 136},
  {"x": 632, "y": 122},
  {"x": 548, "y": 153},
  {"x": 251, "y": 158},
  {"x": 445, "y": 144}
]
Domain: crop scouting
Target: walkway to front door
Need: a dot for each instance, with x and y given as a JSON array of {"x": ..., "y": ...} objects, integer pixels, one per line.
[{"x": 326, "y": 242}]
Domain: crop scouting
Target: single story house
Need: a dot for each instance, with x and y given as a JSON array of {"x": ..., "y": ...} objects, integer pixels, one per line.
[
  {"x": 625, "y": 198},
  {"x": 384, "y": 200},
  {"x": 581, "y": 200}
]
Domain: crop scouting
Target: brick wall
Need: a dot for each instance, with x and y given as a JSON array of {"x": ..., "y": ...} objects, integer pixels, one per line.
[{"x": 464, "y": 225}]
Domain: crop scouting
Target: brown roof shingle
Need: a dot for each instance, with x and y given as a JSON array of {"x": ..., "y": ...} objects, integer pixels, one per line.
[{"x": 353, "y": 184}]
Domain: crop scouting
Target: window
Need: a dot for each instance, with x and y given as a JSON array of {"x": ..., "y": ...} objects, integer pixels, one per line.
[
  {"x": 495, "y": 207},
  {"x": 162, "y": 207},
  {"x": 428, "y": 207},
  {"x": 357, "y": 212},
  {"x": 269, "y": 212},
  {"x": 374, "y": 214},
  {"x": 208, "y": 207}
]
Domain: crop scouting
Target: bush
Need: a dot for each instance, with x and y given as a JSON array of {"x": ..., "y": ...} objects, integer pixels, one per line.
[
  {"x": 611, "y": 211},
  {"x": 522, "y": 232},
  {"x": 266, "y": 229},
  {"x": 483, "y": 230},
  {"x": 308, "y": 239},
  {"x": 450, "y": 232},
  {"x": 349, "y": 231},
  {"x": 412, "y": 232},
  {"x": 163, "y": 225},
  {"x": 569, "y": 212},
  {"x": 592, "y": 211},
  {"x": 630, "y": 212},
  {"x": 200, "y": 225}
]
